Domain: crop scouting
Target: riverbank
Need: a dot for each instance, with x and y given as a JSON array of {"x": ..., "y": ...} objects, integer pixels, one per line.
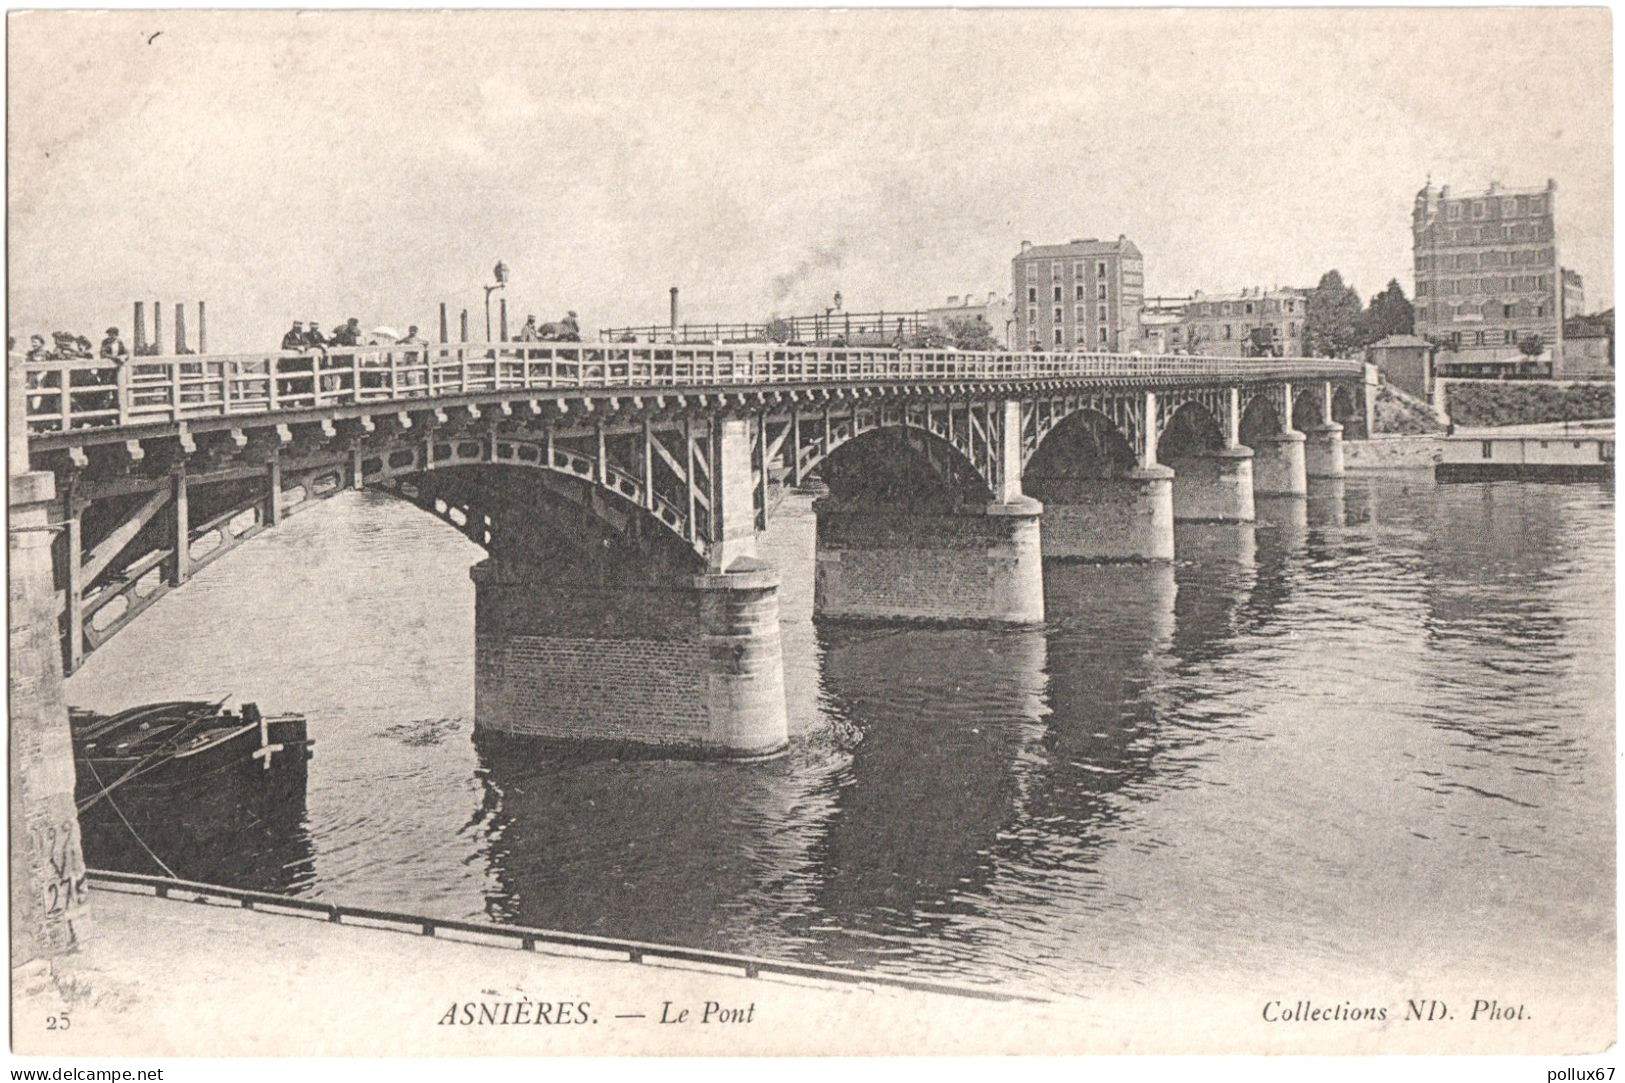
[{"x": 1394, "y": 451}]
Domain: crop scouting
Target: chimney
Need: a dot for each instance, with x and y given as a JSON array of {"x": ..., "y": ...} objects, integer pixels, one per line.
[
  {"x": 674, "y": 313},
  {"x": 992, "y": 297},
  {"x": 158, "y": 327},
  {"x": 180, "y": 327},
  {"x": 1026, "y": 245},
  {"x": 140, "y": 327},
  {"x": 445, "y": 333},
  {"x": 953, "y": 298},
  {"x": 202, "y": 331}
]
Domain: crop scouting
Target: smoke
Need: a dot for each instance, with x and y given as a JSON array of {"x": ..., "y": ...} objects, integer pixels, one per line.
[{"x": 823, "y": 256}]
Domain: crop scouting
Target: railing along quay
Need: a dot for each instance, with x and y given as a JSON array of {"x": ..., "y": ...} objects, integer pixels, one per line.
[
  {"x": 91, "y": 393},
  {"x": 636, "y": 951}
]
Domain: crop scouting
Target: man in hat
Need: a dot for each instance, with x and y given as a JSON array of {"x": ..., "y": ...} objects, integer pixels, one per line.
[
  {"x": 295, "y": 338},
  {"x": 113, "y": 347}
]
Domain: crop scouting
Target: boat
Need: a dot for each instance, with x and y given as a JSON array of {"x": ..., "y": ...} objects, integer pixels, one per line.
[{"x": 174, "y": 749}]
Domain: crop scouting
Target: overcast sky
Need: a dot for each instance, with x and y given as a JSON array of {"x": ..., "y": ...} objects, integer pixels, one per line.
[{"x": 284, "y": 166}]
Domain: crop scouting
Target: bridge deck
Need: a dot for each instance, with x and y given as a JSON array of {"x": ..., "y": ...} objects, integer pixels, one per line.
[{"x": 84, "y": 396}]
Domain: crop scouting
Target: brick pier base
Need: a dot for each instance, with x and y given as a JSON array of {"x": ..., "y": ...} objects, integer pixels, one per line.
[
  {"x": 970, "y": 564},
  {"x": 1128, "y": 517},
  {"x": 1215, "y": 487},
  {"x": 689, "y": 669}
]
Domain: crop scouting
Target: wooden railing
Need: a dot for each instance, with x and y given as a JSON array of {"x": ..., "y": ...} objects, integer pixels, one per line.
[{"x": 80, "y": 394}]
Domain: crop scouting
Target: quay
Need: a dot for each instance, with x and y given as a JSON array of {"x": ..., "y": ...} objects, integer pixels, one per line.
[{"x": 154, "y": 977}]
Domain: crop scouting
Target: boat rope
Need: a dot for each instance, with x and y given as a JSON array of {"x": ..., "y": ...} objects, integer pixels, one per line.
[
  {"x": 153, "y": 760},
  {"x": 134, "y": 834}
]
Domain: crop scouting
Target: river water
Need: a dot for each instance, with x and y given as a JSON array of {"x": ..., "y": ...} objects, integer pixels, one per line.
[{"x": 1373, "y": 732}]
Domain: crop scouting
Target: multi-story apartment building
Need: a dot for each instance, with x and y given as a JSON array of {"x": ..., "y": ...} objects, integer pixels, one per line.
[
  {"x": 1488, "y": 273},
  {"x": 1083, "y": 295}
]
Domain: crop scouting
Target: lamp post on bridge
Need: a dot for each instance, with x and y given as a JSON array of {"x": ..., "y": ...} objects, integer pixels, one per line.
[{"x": 500, "y": 272}]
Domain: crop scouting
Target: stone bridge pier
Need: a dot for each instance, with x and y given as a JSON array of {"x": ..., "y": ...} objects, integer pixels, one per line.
[
  {"x": 1106, "y": 497},
  {"x": 912, "y": 530},
  {"x": 596, "y": 625}
]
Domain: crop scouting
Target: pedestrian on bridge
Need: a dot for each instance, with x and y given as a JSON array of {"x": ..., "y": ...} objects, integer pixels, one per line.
[
  {"x": 295, "y": 338},
  {"x": 113, "y": 347}
]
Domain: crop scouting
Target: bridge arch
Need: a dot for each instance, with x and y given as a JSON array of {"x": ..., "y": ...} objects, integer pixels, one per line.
[
  {"x": 906, "y": 466},
  {"x": 1085, "y": 443},
  {"x": 1260, "y": 417},
  {"x": 1308, "y": 408},
  {"x": 1192, "y": 429}
]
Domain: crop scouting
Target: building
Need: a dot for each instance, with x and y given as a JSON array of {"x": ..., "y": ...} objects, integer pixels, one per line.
[
  {"x": 1082, "y": 295},
  {"x": 1252, "y": 323},
  {"x": 1488, "y": 274},
  {"x": 1406, "y": 362},
  {"x": 1588, "y": 347},
  {"x": 1159, "y": 322},
  {"x": 993, "y": 310},
  {"x": 1574, "y": 296}
]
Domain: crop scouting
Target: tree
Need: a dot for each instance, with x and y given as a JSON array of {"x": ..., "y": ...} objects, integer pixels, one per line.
[
  {"x": 1531, "y": 346},
  {"x": 778, "y": 329},
  {"x": 1331, "y": 325},
  {"x": 1388, "y": 314},
  {"x": 928, "y": 337},
  {"x": 971, "y": 333}
]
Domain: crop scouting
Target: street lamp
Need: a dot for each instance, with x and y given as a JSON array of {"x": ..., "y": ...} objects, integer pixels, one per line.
[{"x": 500, "y": 272}]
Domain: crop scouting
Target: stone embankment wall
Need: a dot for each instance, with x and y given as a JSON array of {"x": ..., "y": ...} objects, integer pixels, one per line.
[{"x": 1416, "y": 451}]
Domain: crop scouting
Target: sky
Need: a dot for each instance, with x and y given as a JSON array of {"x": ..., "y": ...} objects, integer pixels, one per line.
[{"x": 286, "y": 166}]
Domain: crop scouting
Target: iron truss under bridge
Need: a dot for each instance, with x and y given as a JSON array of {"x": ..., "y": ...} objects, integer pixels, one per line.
[{"x": 164, "y": 464}]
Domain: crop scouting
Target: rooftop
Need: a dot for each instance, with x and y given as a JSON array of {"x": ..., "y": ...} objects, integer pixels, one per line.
[{"x": 1088, "y": 246}]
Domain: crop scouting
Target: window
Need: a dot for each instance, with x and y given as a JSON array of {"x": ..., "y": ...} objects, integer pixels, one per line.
[
  {"x": 1224, "y": 310},
  {"x": 1078, "y": 314},
  {"x": 1478, "y": 338},
  {"x": 1057, "y": 292},
  {"x": 1057, "y": 318},
  {"x": 1055, "y": 271},
  {"x": 1059, "y": 341},
  {"x": 1506, "y": 312},
  {"x": 1100, "y": 292},
  {"x": 1478, "y": 209},
  {"x": 1032, "y": 294},
  {"x": 1537, "y": 205},
  {"x": 1032, "y": 314},
  {"x": 1248, "y": 308},
  {"x": 1292, "y": 328},
  {"x": 1032, "y": 272},
  {"x": 1508, "y": 337},
  {"x": 1100, "y": 269},
  {"x": 1487, "y": 449},
  {"x": 1453, "y": 212},
  {"x": 1509, "y": 207},
  {"x": 1227, "y": 330},
  {"x": 1078, "y": 291},
  {"x": 1540, "y": 310}
]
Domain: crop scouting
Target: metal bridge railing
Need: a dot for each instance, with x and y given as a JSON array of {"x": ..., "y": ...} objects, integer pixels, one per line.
[
  {"x": 528, "y": 938},
  {"x": 65, "y": 395}
]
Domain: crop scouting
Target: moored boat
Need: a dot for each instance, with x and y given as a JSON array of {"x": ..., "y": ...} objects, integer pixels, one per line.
[{"x": 168, "y": 749}]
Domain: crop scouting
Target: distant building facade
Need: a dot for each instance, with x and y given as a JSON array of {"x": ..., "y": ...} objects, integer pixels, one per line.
[
  {"x": 1224, "y": 325},
  {"x": 1574, "y": 296},
  {"x": 991, "y": 309},
  {"x": 1488, "y": 273},
  {"x": 1588, "y": 347},
  {"x": 1083, "y": 295}
]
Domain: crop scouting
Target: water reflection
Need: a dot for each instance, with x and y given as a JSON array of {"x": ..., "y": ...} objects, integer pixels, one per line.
[{"x": 1325, "y": 735}]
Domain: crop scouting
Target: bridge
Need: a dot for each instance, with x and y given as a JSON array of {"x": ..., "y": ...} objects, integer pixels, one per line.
[{"x": 618, "y": 491}]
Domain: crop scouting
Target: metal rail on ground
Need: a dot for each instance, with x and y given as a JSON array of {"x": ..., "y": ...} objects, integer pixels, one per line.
[{"x": 636, "y": 951}]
